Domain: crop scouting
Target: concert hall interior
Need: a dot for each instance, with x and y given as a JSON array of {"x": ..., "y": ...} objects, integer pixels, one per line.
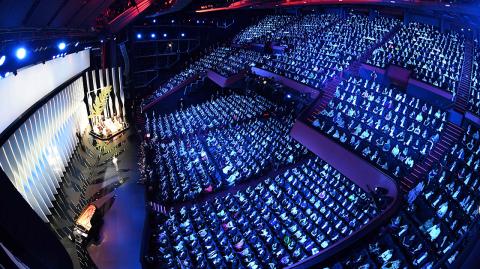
[{"x": 185, "y": 134}]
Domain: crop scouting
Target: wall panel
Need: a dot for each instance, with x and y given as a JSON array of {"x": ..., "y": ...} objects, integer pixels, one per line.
[{"x": 35, "y": 156}]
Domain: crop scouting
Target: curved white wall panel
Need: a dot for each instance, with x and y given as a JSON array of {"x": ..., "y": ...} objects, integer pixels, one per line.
[
  {"x": 35, "y": 157},
  {"x": 19, "y": 93}
]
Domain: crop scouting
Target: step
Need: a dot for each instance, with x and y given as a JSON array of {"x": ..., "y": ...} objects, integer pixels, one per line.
[{"x": 406, "y": 179}]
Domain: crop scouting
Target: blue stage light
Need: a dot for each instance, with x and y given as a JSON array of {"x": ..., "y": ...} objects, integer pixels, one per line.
[
  {"x": 165, "y": 35},
  {"x": 2, "y": 60},
  {"x": 183, "y": 34},
  {"x": 139, "y": 36},
  {"x": 21, "y": 53},
  {"x": 62, "y": 45},
  {"x": 153, "y": 35}
]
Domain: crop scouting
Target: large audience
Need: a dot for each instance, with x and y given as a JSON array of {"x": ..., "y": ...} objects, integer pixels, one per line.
[
  {"x": 315, "y": 58},
  {"x": 243, "y": 194},
  {"x": 474, "y": 102},
  {"x": 238, "y": 61},
  {"x": 389, "y": 128},
  {"x": 434, "y": 57},
  {"x": 281, "y": 221},
  {"x": 219, "y": 143},
  {"x": 220, "y": 112},
  {"x": 434, "y": 228},
  {"x": 215, "y": 57},
  {"x": 266, "y": 27}
]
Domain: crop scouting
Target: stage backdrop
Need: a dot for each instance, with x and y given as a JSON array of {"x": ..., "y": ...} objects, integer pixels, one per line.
[
  {"x": 95, "y": 80},
  {"x": 19, "y": 93}
]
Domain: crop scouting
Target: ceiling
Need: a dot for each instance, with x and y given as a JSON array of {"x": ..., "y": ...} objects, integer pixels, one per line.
[{"x": 51, "y": 13}]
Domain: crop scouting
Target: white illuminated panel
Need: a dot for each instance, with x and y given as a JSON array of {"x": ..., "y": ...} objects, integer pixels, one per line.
[
  {"x": 19, "y": 93},
  {"x": 35, "y": 157}
]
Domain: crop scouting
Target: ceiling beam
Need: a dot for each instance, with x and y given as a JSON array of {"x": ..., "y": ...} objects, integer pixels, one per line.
[{"x": 30, "y": 12}]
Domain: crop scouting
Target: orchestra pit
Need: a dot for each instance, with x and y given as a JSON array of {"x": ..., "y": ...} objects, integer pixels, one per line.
[{"x": 218, "y": 134}]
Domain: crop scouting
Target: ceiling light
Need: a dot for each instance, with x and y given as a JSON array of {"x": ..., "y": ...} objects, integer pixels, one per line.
[
  {"x": 62, "y": 45},
  {"x": 21, "y": 53}
]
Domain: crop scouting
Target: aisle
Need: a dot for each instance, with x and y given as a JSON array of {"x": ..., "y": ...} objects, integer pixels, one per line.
[{"x": 121, "y": 235}]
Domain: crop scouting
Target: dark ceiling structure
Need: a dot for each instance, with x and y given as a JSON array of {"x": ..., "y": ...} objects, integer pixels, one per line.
[{"x": 51, "y": 13}]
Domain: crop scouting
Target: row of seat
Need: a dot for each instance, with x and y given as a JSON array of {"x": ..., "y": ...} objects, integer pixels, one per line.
[
  {"x": 434, "y": 57},
  {"x": 209, "y": 60},
  {"x": 249, "y": 150},
  {"x": 474, "y": 101},
  {"x": 204, "y": 152},
  {"x": 302, "y": 28},
  {"x": 440, "y": 214},
  {"x": 221, "y": 111},
  {"x": 265, "y": 27},
  {"x": 281, "y": 221},
  {"x": 238, "y": 61},
  {"x": 316, "y": 58},
  {"x": 385, "y": 126}
]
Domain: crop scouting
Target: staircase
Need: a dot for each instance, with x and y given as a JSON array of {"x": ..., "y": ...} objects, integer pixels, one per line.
[
  {"x": 195, "y": 84},
  {"x": 139, "y": 118},
  {"x": 463, "y": 91},
  {"x": 448, "y": 138},
  {"x": 321, "y": 104}
]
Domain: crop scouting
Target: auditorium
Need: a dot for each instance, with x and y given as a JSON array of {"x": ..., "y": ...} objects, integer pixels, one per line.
[{"x": 250, "y": 134}]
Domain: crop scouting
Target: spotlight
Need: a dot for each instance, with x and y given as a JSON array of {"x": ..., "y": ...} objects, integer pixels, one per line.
[
  {"x": 76, "y": 44},
  {"x": 2, "y": 60},
  {"x": 21, "y": 53},
  {"x": 289, "y": 96},
  {"x": 153, "y": 35},
  {"x": 165, "y": 35},
  {"x": 154, "y": 21},
  {"x": 62, "y": 45},
  {"x": 173, "y": 21},
  {"x": 183, "y": 34},
  {"x": 139, "y": 36}
]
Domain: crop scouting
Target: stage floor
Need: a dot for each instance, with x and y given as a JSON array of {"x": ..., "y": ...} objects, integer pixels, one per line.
[{"x": 121, "y": 235}]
